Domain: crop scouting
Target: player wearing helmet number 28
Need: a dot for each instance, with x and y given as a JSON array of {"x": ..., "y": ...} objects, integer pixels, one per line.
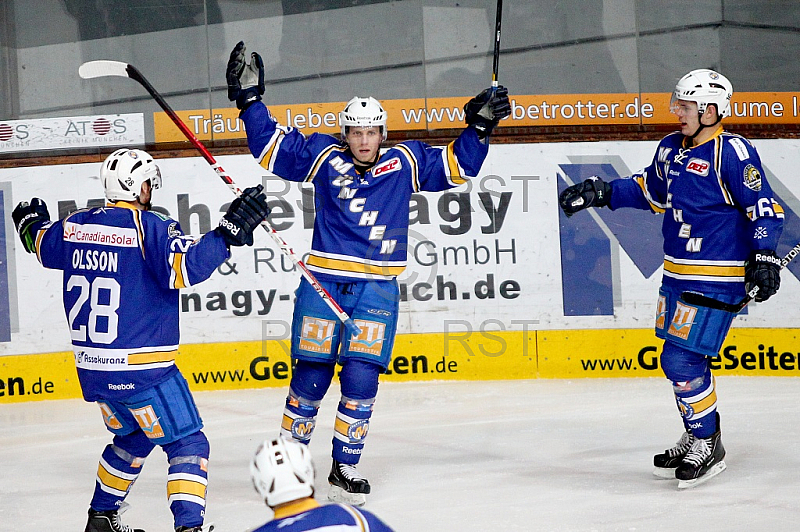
[
  {"x": 122, "y": 267},
  {"x": 721, "y": 228},
  {"x": 358, "y": 246}
]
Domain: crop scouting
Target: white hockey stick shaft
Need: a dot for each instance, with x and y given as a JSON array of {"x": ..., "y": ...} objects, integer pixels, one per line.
[{"x": 105, "y": 68}]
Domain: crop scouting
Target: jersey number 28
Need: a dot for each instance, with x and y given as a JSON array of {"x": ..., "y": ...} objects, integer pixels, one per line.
[{"x": 106, "y": 309}]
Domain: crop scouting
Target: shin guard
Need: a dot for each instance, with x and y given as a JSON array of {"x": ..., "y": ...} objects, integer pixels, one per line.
[
  {"x": 351, "y": 428},
  {"x": 299, "y": 418},
  {"x": 120, "y": 465},
  {"x": 187, "y": 479}
]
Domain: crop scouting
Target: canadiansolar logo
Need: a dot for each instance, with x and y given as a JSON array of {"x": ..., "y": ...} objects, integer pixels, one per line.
[{"x": 100, "y": 234}]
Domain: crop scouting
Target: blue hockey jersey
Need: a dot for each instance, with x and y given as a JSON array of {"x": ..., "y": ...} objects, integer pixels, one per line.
[
  {"x": 361, "y": 223},
  {"x": 717, "y": 205},
  {"x": 306, "y": 515},
  {"x": 122, "y": 268}
]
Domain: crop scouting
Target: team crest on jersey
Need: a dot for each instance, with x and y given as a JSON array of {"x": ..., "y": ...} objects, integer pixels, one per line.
[
  {"x": 698, "y": 166},
  {"x": 370, "y": 340},
  {"x": 148, "y": 421},
  {"x": 109, "y": 418},
  {"x": 682, "y": 321},
  {"x": 317, "y": 335},
  {"x": 752, "y": 178},
  {"x": 392, "y": 165},
  {"x": 661, "y": 312}
]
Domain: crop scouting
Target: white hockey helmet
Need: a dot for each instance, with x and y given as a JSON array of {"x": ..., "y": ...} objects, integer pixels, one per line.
[
  {"x": 704, "y": 86},
  {"x": 124, "y": 171},
  {"x": 363, "y": 112},
  {"x": 282, "y": 471}
]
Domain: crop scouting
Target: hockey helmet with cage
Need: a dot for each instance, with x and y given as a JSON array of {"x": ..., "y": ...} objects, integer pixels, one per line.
[
  {"x": 363, "y": 112},
  {"x": 124, "y": 171},
  {"x": 704, "y": 86},
  {"x": 282, "y": 471}
]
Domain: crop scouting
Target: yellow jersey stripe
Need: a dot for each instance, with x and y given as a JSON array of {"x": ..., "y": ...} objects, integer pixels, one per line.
[
  {"x": 703, "y": 269},
  {"x": 266, "y": 160},
  {"x": 150, "y": 358},
  {"x": 177, "y": 262},
  {"x": 414, "y": 167},
  {"x": 452, "y": 165},
  {"x": 352, "y": 266},
  {"x": 320, "y": 159},
  {"x": 640, "y": 181}
]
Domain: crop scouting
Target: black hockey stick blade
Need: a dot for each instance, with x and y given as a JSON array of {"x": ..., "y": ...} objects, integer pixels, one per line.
[{"x": 695, "y": 298}]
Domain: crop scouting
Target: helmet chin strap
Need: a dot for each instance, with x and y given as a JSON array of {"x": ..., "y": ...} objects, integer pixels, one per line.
[{"x": 702, "y": 126}]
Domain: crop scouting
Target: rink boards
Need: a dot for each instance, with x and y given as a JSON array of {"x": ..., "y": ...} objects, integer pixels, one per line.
[{"x": 432, "y": 357}]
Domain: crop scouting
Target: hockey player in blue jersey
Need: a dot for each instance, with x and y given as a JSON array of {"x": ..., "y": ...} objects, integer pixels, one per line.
[
  {"x": 122, "y": 267},
  {"x": 358, "y": 246},
  {"x": 721, "y": 228},
  {"x": 283, "y": 474}
]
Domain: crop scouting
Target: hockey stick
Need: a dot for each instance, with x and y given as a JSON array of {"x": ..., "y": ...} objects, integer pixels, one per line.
[
  {"x": 102, "y": 68},
  {"x": 496, "y": 62},
  {"x": 693, "y": 298}
]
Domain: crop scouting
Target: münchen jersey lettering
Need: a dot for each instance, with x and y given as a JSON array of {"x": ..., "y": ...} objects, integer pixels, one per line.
[
  {"x": 361, "y": 223},
  {"x": 720, "y": 209}
]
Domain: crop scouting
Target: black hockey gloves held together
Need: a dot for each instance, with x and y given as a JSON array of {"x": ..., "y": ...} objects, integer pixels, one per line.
[
  {"x": 763, "y": 269},
  {"x": 244, "y": 215},
  {"x": 485, "y": 110},
  {"x": 245, "y": 81},
  {"x": 28, "y": 218},
  {"x": 593, "y": 192}
]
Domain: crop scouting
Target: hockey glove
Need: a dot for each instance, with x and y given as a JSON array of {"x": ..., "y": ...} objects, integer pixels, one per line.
[
  {"x": 244, "y": 215},
  {"x": 485, "y": 110},
  {"x": 763, "y": 269},
  {"x": 28, "y": 218},
  {"x": 593, "y": 192},
  {"x": 245, "y": 81}
]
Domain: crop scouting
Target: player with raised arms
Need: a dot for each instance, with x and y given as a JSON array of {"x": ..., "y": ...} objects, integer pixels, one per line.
[
  {"x": 721, "y": 228},
  {"x": 123, "y": 265},
  {"x": 358, "y": 246}
]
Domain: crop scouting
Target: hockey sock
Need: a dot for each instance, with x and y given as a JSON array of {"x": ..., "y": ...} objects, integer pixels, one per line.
[
  {"x": 299, "y": 417},
  {"x": 119, "y": 467},
  {"x": 350, "y": 429},
  {"x": 697, "y": 401},
  {"x": 187, "y": 479}
]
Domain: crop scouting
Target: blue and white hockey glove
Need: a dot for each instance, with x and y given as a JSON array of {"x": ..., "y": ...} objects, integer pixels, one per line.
[
  {"x": 763, "y": 269},
  {"x": 245, "y": 81},
  {"x": 484, "y": 111},
  {"x": 28, "y": 218},
  {"x": 593, "y": 192},
  {"x": 244, "y": 215}
]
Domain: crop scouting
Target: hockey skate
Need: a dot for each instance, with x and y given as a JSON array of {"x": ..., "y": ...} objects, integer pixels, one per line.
[
  {"x": 204, "y": 528},
  {"x": 704, "y": 461},
  {"x": 108, "y": 521},
  {"x": 666, "y": 462},
  {"x": 347, "y": 485}
]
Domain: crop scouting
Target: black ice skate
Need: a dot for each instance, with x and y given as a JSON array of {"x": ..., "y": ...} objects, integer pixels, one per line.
[
  {"x": 347, "y": 485},
  {"x": 108, "y": 521},
  {"x": 704, "y": 461},
  {"x": 205, "y": 528},
  {"x": 666, "y": 462}
]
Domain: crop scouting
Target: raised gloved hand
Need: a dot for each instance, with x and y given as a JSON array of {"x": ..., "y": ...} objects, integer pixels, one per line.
[
  {"x": 484, "y": 111},
  {"x": 763, "y": 269},
  {"x": 244, "y": 215},
  {"x": 245, "y": 81},
  {"x": 28, "y": 217},
  {"x": 593, "y": 192}
]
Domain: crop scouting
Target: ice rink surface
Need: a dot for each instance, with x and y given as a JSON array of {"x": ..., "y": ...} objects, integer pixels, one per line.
[{"x": 536, "y": 455}]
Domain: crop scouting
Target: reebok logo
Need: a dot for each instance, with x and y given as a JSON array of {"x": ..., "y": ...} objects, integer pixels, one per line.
[
  {"x": 234, "y": 229},
  {"x": 762, "y": 257}
]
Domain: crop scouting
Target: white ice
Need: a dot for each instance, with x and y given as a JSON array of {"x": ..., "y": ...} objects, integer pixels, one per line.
[{"x": 537, "y": 455}]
